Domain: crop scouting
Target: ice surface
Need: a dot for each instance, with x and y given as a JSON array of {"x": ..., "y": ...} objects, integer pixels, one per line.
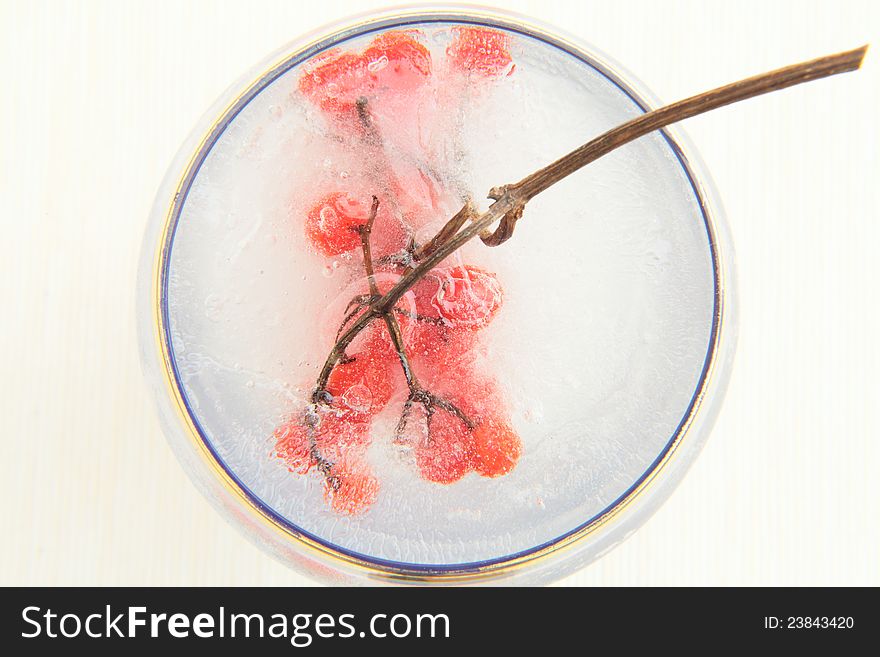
[{"x": 599, "y": 347}]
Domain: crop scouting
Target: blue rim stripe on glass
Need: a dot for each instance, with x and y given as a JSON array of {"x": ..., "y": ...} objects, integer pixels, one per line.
[{"x": 218, "y": 130}]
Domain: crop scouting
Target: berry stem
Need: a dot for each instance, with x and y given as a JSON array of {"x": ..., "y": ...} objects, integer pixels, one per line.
[
  {"x": 388, "y": 316},
  {"x": 510, "y": 200},
  {"x": 757, "y": 85},
  {"x": 356, "y": 305},
  {"x": 324, "y": 466},
  {"x": 459, "y": 219},
  {"x": 372, "y": 141},
  {"x": 365, "y": 232}
]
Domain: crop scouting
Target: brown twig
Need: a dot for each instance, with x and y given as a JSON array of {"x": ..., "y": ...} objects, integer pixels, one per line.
[
  {"x": 757, "y": 85},
  {"x": 312, "y": 420},
  {"x": 510, "y": 200},
  {"x": 417, "y": 394},
  {"x": 459, "y": 219},
  {"x": 365, "y": 232},
  {"x": 356, "y": 305}
]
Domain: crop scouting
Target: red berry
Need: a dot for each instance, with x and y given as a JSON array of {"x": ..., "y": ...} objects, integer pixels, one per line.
[
  {"x": 366, "y": 382},
  {"x": 397, "y": 61},
  {"x": 480, "y": 50},
  {"x": 389, "y": 235},
  {"x": 333, "y": 224},
  {"x": 467, "y": 296},
  {"x": 474, "y": 393},
  {"x": 439, "y": 352},
  {"x": 350, "y": 490},
  {"x": 423, "y": 294},
  {"x": 338, "y": 434},
  {"x": 446, "y": 456},
  {"x": 342, "y": 435},
  {"x": 435, "y": 347},
  {"x": 334, "y": 80},
  {"x": 497, "y": 448},
  {"x": 292, "y": 446}
]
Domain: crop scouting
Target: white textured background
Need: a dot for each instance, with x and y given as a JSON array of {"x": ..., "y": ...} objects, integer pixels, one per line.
[{"x": 97, "y": 97}]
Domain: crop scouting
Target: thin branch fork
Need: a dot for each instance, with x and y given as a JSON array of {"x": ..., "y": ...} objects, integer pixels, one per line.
[{"x": 417, "y": 394}]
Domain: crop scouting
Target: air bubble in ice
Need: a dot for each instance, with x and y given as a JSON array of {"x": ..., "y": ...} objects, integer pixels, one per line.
[
  {"x": 377, "y": 64},
  {"x": 359, "y": 398},
  {"x": 213, "y": 307}
]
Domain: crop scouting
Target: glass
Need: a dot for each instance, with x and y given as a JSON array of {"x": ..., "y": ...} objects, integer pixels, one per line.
[{"x": 607, "y": 357}]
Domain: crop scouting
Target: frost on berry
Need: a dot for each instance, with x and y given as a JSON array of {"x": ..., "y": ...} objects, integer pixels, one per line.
[
  {"x": 292, "y": 446},
  {"x": 446, "y": 455},
  {"x": 419, "y": 196},
  {"x": 350, "y": 489},
  {"x": 480, "y": 50},
  {"x": 439, "y": 352},
  {"x": 336, "y": 431},
  {"x": 467, "y": 296},
  {"x": 497, "y": 447}
]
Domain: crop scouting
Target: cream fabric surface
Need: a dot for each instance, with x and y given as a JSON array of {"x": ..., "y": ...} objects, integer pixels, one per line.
[{"x": 99, "y": 95}]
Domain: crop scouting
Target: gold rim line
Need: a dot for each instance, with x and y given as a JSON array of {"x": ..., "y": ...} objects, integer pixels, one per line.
[{"x": 324, "y": 552}]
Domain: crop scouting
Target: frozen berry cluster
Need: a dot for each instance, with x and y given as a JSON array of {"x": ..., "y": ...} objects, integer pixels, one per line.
[{"x": 453, "y": 419}]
